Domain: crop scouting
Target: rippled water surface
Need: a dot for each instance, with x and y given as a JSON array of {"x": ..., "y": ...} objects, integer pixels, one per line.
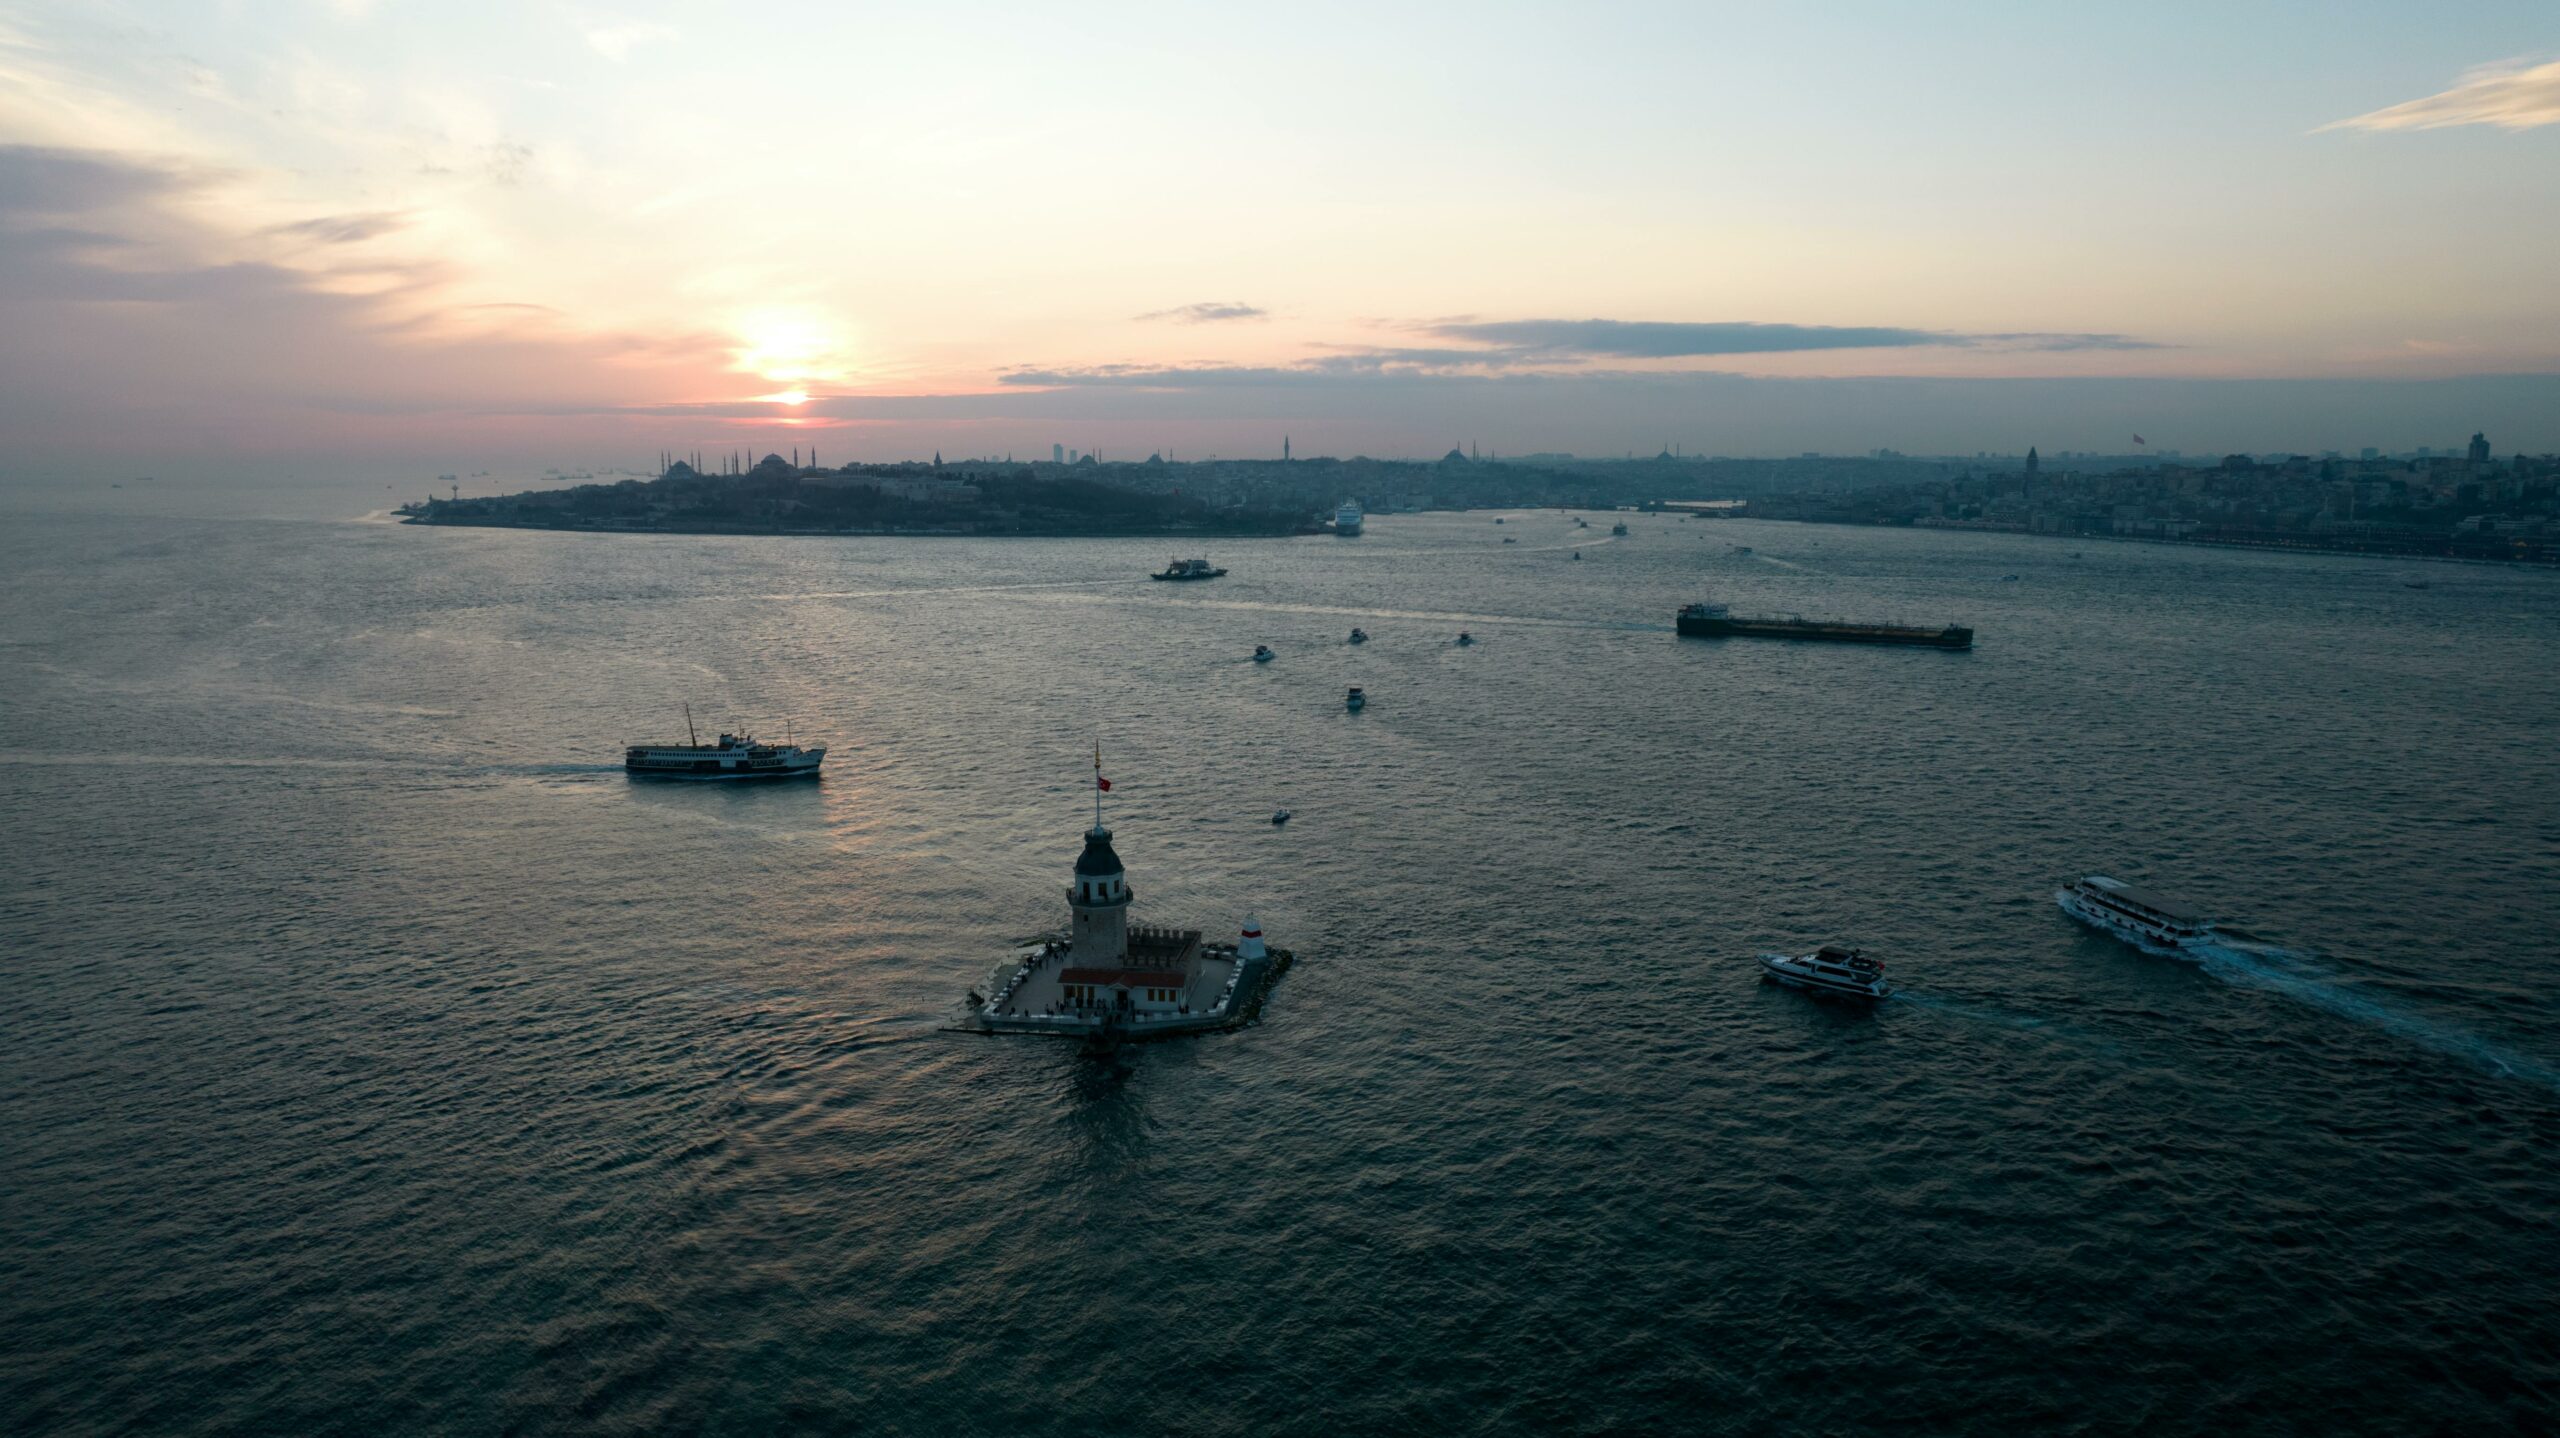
[{"x": 378, "y": 1059}]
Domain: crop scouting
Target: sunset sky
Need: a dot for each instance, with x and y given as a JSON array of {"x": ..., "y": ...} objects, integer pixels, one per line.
[{"x": 453, "y": 232}]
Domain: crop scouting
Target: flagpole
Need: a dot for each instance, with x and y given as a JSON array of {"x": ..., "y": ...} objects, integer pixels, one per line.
[{"x": 1097, "y": 783}]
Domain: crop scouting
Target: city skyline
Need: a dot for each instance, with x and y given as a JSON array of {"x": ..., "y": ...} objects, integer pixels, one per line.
[{"x": 564, "y": 235}]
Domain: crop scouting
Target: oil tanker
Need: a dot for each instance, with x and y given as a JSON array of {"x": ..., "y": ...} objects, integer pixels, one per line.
[{"x": 1714, "y": 621}]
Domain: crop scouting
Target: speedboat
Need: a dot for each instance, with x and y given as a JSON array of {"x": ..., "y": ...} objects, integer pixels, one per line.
[
  {"x": 1829, "y": 970},
  {"x": 2135, "y": 915},
  {"x": 1465, "y": 638},
  {"x": 1359, "y": 636},
  {"x": 1356, "y": 700},
  {"x": 1262, "y": 654}
]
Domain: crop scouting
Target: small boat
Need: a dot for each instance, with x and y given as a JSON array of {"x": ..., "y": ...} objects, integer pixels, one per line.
[
  {"x": 2075, "y": 554},
  {"x": 1464, "y": 638},
  {"x": 2008, "y": 579},
  {"x": 1497, "y": 519},
  {"x": 1181, "y": 569},
  {"x": 1262, "y": 654},
  {"x": 1828, "y": 970},
  {"x": 1507, "y": 539},
  {"x": 2413, "y": 584},
  {"x": 1577, "y": 554},
  {"x": 1359, "y": 636},
  {"x": 1742, "y": 549},
  {"x": 1618, "y": 529},
  {"x": 1356, "y": 700},
  {"x": 2135, "y": 916},
  {"x": 1582, "y": 524},
  {"x": 1279, "y": 816}
]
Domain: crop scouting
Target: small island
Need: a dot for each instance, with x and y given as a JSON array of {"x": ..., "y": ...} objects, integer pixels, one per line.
[{"x": 779, "y": 496}]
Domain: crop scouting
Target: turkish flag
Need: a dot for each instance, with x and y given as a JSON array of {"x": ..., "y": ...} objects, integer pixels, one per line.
[{"x": 1101, "y": 783}]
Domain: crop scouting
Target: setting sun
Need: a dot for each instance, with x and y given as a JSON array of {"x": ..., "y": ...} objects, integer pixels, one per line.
[{"x": 788, "y": 346}]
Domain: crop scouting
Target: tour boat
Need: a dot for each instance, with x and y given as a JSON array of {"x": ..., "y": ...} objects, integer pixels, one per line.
[
  {"x": 1830, "y": 970},
  {"x": 2133, "y": 915},
  {"x": 735, "y": 756}
]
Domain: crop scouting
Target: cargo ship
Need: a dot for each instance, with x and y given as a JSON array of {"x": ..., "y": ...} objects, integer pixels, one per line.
[{"x": 1715, "y": 621}]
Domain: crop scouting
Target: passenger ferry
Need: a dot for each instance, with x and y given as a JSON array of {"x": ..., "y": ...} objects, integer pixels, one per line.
[
  {"x": 2133, "y": 915},
  {"x": 735, "y": 756},
  {"x": 1347, "y": 519},
  {"x": 1188, "y": 569},
  {"x": 1830, "y": 970}
]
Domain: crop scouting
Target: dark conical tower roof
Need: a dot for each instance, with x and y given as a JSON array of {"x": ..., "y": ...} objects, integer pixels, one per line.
[{"x": 1098, "y": 857}]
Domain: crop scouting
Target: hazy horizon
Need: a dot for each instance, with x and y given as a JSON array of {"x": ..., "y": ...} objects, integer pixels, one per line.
[{"x": 564, "y": 236}]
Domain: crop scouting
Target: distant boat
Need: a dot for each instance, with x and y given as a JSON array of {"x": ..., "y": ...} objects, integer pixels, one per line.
[
  {"x": 1507, "y": 539},
  {"x": 1742, "y": 549},
  {"x": 1348, "y": 519},
  {"x": 2008, "y": 579},
  {"x": 1618, "y": 529},
  {"x": 1359, "y": 636},
  {"x": 1577, "y": 554},
  {"x": 1356, "y": 700},
  {"x": 2414, "y": 584},
  {"x": 2075, "y": 554},
  {"x": 1465, "y": 638},
  {"x": 1262, "y": 654},
  {"x": 1188, "y": 569},
  {"x": 1279, "y": 816}
]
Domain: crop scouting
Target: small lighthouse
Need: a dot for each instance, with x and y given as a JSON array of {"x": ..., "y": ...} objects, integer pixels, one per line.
[
  {"x": 1249, "y": 943},
  {"x": 1099, "y": 899}
]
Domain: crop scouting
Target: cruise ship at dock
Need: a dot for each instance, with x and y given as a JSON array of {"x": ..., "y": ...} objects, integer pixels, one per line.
[{"x": 1348, "y": 519}]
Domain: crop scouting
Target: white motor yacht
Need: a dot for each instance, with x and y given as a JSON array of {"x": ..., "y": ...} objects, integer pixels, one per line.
[{"x": 1829, "y": 969}]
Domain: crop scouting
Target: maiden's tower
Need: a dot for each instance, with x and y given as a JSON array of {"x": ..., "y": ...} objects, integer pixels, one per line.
[{"x": 1107, "y": 978}]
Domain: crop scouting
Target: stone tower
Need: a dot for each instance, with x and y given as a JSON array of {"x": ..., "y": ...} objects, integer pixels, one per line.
[{"x": 1099, "y": 898}]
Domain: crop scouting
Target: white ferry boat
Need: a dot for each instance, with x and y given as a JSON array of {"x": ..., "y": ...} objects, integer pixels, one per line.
[
  {"x": 735, "y": 756},
  {"x": 1829, "y": 969},
  {"x": 2133, "y": 915},
  {"x": 1347, "y": 519}
]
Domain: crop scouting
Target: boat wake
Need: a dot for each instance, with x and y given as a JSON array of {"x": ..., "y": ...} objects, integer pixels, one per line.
[{"x": 2272, "y": 968}]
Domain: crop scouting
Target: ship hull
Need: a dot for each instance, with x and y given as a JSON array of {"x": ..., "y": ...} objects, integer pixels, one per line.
[
  {"x": 1710, "y": 627},
  {"x": 710, "y": 770}
]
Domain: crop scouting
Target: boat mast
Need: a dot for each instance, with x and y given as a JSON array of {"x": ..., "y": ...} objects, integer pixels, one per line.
[{"x": 691, "y": 739}]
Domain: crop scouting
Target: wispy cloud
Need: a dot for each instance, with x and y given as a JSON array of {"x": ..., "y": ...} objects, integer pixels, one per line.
[
  {"x": 341, "y": 229},
  {"x": 1661, "y": 339},
  {"x": 1208, "y": 312},
  {"x": 616, "y": 41},
  {"x": 2511, "y": 95}
]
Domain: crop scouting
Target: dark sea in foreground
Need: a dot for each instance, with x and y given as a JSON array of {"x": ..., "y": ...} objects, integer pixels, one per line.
[{"x": 378, "y": 1059}]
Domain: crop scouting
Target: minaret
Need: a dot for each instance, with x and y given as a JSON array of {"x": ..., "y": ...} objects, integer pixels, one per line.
[{"x": 1099, "y": 899}]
